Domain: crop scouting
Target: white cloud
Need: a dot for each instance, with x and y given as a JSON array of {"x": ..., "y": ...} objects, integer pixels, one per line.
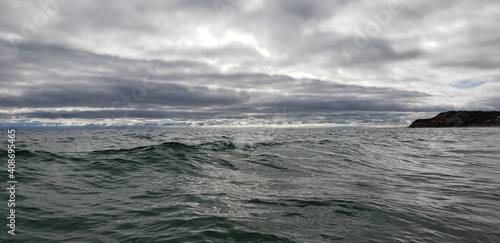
[{"x": 219, "y": 60}]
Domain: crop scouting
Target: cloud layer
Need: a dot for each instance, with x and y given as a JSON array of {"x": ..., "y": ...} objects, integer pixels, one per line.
[{"x": 245, "y": 62}]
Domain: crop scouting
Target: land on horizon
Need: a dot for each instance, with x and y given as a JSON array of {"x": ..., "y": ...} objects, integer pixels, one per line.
[{"x": 460, "y": 119}]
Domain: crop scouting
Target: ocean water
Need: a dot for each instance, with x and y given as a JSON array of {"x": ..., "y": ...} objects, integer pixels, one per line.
[{"x": 256, "y": 185}]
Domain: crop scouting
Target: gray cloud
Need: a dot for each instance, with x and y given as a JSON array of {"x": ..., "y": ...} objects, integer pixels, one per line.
[{"x": 211, "y": 61}]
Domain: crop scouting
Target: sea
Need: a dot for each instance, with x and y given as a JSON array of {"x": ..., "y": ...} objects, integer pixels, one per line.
[{"x": 260, "y": 184}]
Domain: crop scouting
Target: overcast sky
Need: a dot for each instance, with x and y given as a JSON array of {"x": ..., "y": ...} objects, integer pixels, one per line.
[{"x": 238, "y": 62}]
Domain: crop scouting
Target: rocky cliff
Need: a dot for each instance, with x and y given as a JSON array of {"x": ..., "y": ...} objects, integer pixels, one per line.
[{"x": 461, "y": 119}]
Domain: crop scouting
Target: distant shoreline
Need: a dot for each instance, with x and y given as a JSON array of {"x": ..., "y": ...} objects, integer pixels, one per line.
[{"x": 460, "y": 119}]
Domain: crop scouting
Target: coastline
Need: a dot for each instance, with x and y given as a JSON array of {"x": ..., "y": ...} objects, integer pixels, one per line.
[{"x": 460, "y": 119}]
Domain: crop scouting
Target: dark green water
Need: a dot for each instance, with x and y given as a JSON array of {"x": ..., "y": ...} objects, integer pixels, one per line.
[{"x": 257, "y": 185}]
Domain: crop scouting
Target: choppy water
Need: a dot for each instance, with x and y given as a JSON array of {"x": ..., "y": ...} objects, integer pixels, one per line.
[{"x": 257, "y": 185}]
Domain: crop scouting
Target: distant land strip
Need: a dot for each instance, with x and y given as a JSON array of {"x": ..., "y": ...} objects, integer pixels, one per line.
[{"x": 460, "y": 119}]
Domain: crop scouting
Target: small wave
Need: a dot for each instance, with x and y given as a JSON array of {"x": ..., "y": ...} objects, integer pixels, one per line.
[
  {"x": 219, "y": 145},
  {"x": 243, "y": 145},
  {"x": 301, "y": 203},
  {"x": 165, "y": 145},
  {"x": 26, "y": 154},
  {"x": 20, "y": 153}
]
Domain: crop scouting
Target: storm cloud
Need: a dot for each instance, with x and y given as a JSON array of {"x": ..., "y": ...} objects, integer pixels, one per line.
[{"x": 224, "y": 62}]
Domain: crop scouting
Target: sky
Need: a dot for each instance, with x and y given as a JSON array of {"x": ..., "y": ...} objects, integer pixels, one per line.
[{"x": 244, "y": 63}]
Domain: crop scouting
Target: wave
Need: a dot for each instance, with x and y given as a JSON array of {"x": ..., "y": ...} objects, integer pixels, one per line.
[
  {"x": 218, "y": 145},
  {"x": 26, "y": 154}
]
